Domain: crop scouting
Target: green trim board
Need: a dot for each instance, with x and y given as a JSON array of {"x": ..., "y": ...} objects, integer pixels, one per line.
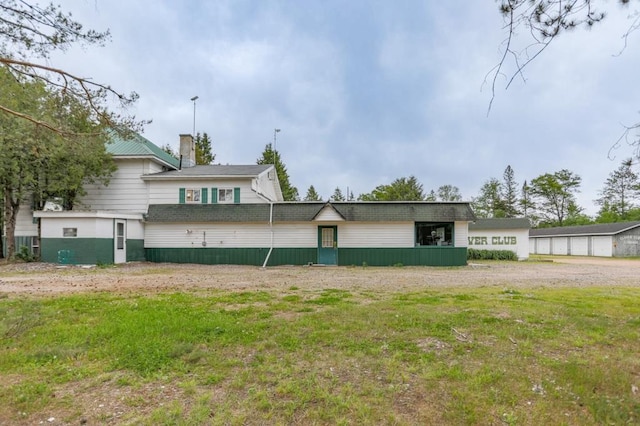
[{"x": 419, "y": 256}]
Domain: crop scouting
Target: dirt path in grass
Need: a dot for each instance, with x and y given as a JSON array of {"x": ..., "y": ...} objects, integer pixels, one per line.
[{"x": 38, "y": 279}]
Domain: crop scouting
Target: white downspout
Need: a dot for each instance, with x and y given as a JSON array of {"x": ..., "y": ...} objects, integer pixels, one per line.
[{"x": 264, "y": 265}]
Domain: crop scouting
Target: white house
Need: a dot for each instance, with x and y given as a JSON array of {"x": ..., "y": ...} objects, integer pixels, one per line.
[{"x": 154, "y": 209}]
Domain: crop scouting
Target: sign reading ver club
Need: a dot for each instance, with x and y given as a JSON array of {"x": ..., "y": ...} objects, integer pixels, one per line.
[
  {"x": 495, "y": 241},
  {"x": 500, "y": 234}
]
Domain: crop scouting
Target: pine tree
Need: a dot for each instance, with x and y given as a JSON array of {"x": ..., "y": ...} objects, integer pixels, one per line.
[
  {"x": 337, "y": 195},
  {"x": 621, "y": 189},
  {"x": 269, "y": 156},
  {"x": 312, "y": 195},
  {"x": 509, "y": 192},
  {"x": 204, "y": 154}
]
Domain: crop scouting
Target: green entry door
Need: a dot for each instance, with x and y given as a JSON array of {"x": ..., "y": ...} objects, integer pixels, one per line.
[{"x": 328, "y": 245}]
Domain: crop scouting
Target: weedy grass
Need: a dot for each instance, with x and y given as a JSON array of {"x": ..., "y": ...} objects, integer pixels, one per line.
[{"x": 452, "y": 356}]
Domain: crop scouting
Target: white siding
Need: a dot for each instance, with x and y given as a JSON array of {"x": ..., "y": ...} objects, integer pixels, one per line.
[
  {"x": 126, "y": 192},
  {"x": 560, "y": 245},
  {"x": 516, "y": 240},
  {"x": 229, "y": 235},
  {"x": 135, "y": 229},
  {"x": 265, "y": 185},
  {"x": 24, "y": 222},
  {"x": 168, "y": 191},
  {"x": 87, "y": 227},
  {"x": 461, "y": 234},
  {"x": 579, "y": 246},
  {"x": 329, "y": 214},
  {"x": 397, "y": 234},
  {"x": 602, "y": 246}
]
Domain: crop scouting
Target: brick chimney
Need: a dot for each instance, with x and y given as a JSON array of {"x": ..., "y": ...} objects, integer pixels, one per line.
[{"x": 187, "y": 151}]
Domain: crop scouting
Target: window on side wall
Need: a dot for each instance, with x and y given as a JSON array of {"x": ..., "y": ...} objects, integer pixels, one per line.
[
  {"x": 69, "y": 232},
  {"x": 192, "y": 196},
  {"x": 434, "y": 234},
  {"x": 225, "y": 195}
]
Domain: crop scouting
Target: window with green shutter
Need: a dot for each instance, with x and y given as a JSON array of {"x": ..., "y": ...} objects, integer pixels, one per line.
[
  {"x": 236, "y": 195},
  {"x": 181, "y": 195},
  {"x": 214, "y": 195},
  {"x": 205, "y": 195}
]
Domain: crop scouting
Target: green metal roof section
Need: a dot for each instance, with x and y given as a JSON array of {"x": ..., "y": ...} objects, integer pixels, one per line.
[
  {"x": 597, "y": 229},
  {"x": 307, "y": 212},
  {"x": 500, "y": 223},
  {"x": 135, "y": 145}
]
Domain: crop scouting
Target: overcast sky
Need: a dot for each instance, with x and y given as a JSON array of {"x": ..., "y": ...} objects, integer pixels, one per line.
[{"x": 368, "y": 91}]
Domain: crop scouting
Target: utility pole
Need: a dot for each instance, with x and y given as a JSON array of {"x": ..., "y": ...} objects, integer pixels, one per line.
[
  {"x": 275, "y": 157},
  {"x": 194, "y": 99}
]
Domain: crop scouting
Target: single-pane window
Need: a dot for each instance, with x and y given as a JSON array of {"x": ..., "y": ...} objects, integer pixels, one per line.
[{"x": 69, "y": 232}]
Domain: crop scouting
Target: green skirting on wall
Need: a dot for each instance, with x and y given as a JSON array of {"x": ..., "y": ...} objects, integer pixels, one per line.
[
  {"x": 82, "y": 251},
  {"x": 418, "y": 256},
  {"x": 135, "y": 251},
  {"x": 232, "y": 256}
]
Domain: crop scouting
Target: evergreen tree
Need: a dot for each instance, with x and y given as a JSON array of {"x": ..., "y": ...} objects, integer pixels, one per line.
[
  {"x": 204, "y": 154},
  {"x": 527, "y": 205},
  {"x": 621, "y": 190},
  {"x": 337, "y": 195},
  {"x": 269, "y": 156},
  {"x": 509, "y": 193},
  {"x": 312, "y": 195}
]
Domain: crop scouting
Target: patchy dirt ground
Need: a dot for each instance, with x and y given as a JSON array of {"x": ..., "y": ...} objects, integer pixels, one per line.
[
  {"x": 39, "y": 279},
  {"x": 104, "y": 400}
]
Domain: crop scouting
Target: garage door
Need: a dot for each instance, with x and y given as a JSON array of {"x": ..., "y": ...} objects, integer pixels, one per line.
[
  {"x": 579, "y": 246},
  {"x": 602, "y": 246}
]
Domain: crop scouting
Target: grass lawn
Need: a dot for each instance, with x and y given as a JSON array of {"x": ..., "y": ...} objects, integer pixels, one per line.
[{"x": 446, "y": 356}]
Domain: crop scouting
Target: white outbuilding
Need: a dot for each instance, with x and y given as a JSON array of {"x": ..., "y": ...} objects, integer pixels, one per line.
[
  {"x": 501, "y": 234},
  {"x": 605, "y": 239}
]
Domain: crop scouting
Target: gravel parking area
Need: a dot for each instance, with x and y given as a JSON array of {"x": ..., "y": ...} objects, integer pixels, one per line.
[{"x": 39, "y": 279}]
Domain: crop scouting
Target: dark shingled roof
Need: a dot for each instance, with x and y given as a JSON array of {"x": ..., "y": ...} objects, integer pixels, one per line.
[
  {"x": 597, "y": 229},
  {"x": 214, "y": 170},
  {"x": 500, "y": 223},
  {"x": 307, "y": 211}
]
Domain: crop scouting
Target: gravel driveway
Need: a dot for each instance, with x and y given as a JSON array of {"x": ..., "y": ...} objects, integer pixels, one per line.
[{"x": 39, "y": 279}]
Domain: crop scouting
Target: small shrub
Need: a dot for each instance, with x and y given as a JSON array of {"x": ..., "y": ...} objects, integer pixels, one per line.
[
  {"x": 475, "y": 254},
  {"x": 25, "y": 254}
]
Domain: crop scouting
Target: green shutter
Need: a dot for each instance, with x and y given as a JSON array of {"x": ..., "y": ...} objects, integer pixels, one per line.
[
  {"x": 181, "y": 196},
  {"x": 236, "y": 195},
  {"x": 214, "y": 195},
  {"x": 204, "y": 196}
]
